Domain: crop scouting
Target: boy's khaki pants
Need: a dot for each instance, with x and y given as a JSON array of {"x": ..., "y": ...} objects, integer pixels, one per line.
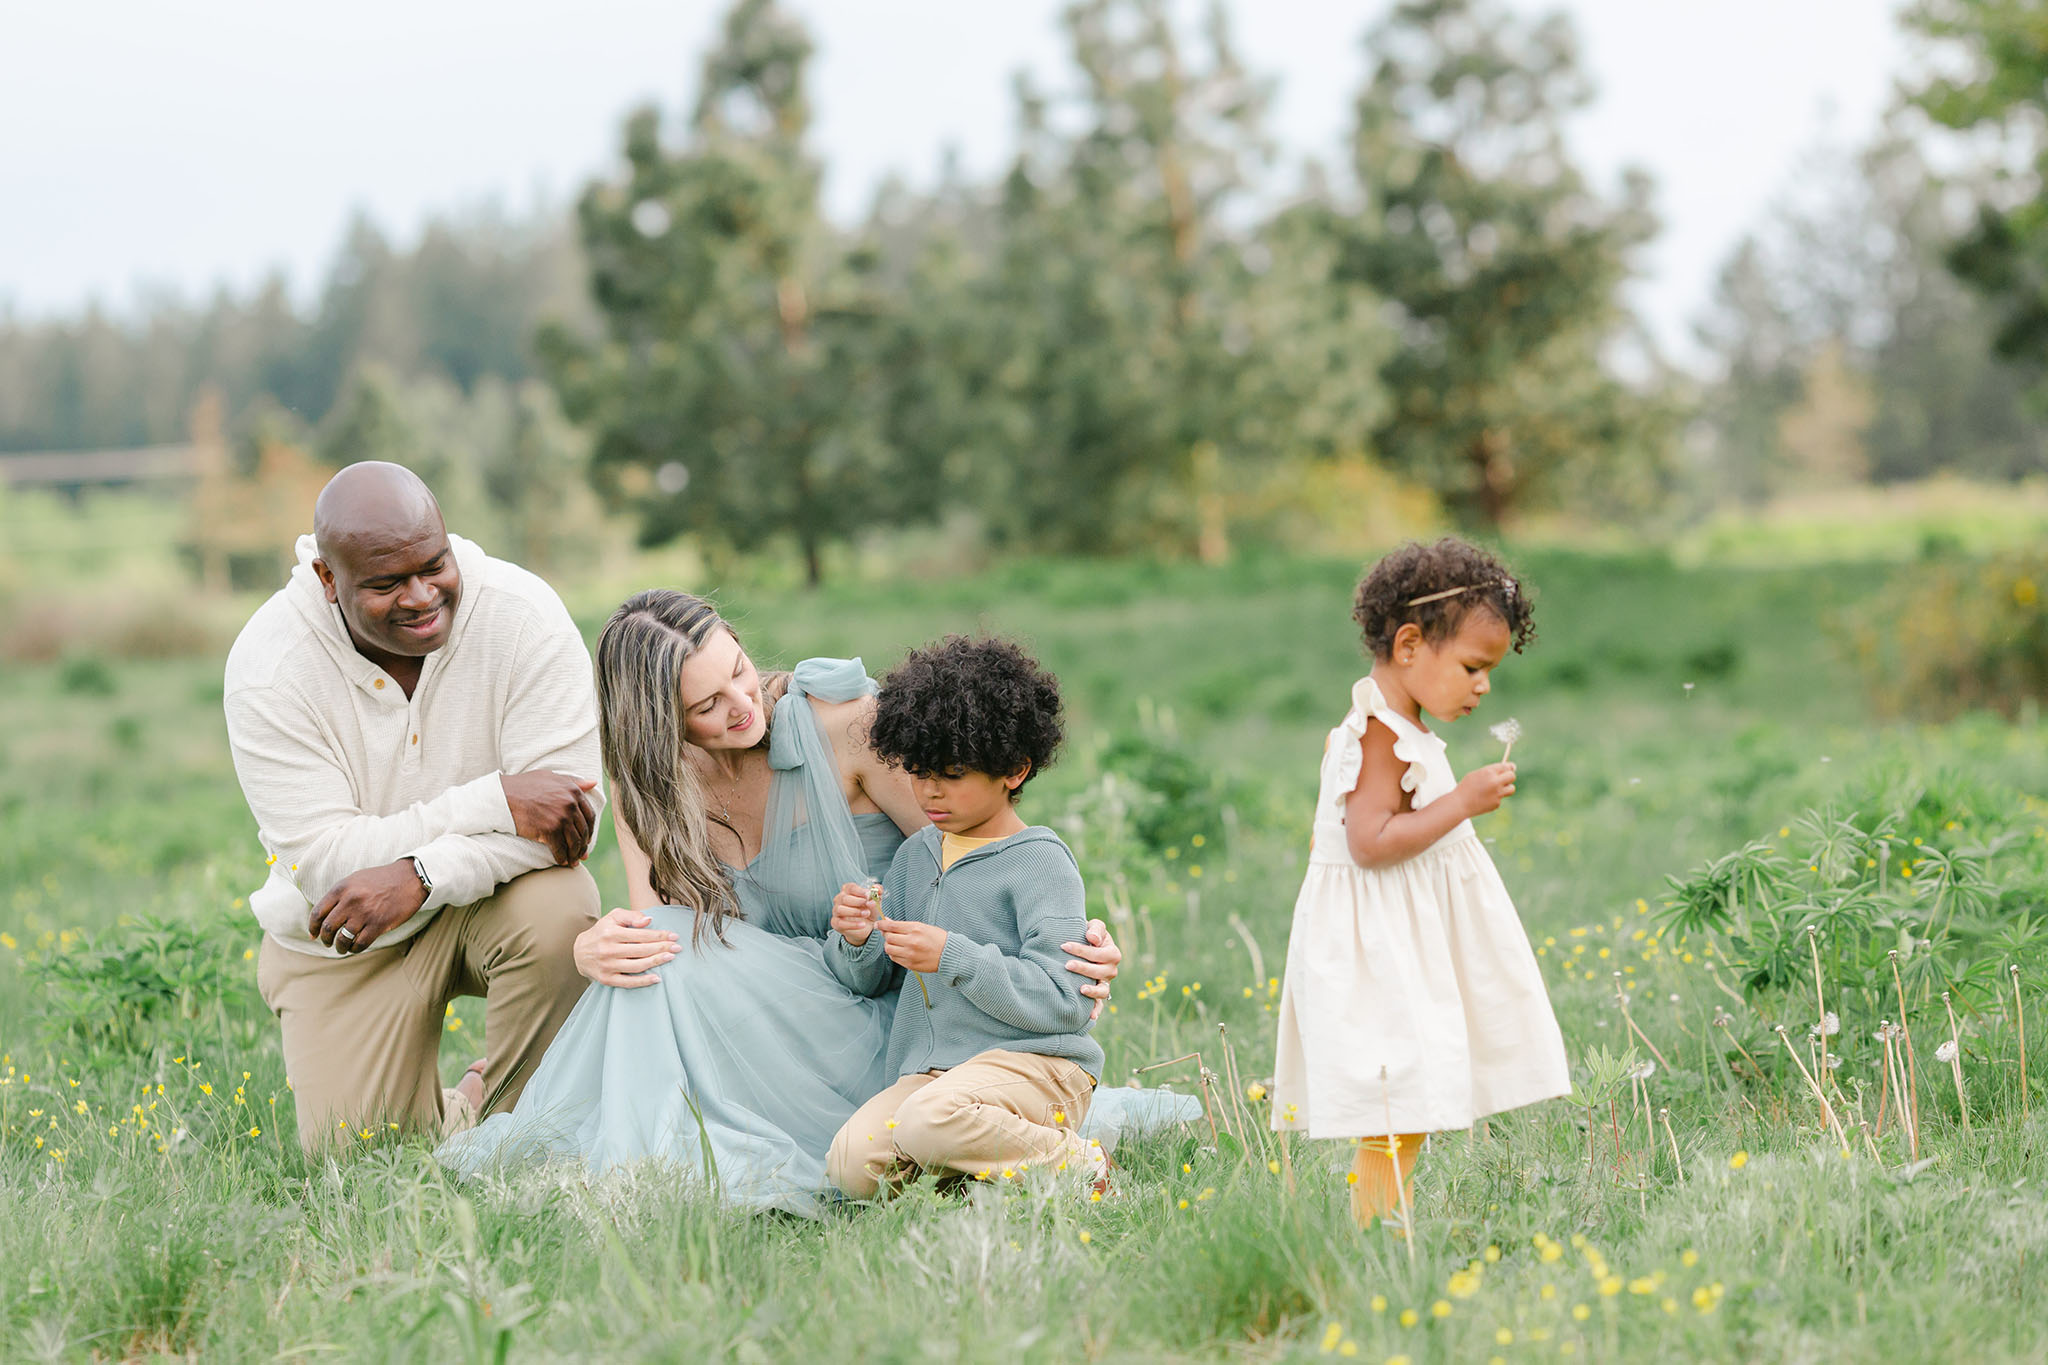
[
  {"x": 362, "y": 1034},
  {"x": 992, "y": 1113}
]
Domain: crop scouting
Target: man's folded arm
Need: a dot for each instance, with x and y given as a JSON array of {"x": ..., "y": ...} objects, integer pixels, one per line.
[
  {"x": 550, "y": 723},
  {"x": 306, "y": 811},
  {"x": 550, "y": 719}
]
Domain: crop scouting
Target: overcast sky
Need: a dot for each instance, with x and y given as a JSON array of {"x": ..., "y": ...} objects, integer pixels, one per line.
[{"x": 180, "y": 143}]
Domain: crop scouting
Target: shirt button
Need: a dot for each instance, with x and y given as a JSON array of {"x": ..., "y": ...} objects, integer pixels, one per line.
[{"x": 379, "y": 684}]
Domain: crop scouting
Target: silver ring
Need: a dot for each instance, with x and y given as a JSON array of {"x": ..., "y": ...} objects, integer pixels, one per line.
[{"x": 344, "y": 929}]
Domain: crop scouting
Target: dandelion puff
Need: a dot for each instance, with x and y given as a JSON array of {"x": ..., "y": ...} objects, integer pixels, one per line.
[
  {"x": 1947, "y": 1052},
  {"x": 1828, "y": 1027},
  {"x": 1509, "y": 733},
  {"x": 1643, "y": 1072},
  {"x": 1833, "y": 1061}
]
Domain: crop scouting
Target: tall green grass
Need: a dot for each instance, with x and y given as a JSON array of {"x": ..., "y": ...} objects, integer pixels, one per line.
[{"x": 179, "y": 1218}]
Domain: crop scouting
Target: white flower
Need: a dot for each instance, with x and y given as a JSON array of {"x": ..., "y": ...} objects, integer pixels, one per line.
[
  {"x": 1643, "y": 1072},
  {"x": 1722, "y": 1018},
  {"x": 1946, "y": 1052},
  {"x": 1828, "y": 1027},
  {"x": 1508, "y": 731},
  {"x": 1833, "y": 1061}
]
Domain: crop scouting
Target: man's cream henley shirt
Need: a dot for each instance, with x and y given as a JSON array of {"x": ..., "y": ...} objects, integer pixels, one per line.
[{"x": 344, "y": 772}]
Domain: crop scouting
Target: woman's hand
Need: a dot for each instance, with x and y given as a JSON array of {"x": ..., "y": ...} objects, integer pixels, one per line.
[
  {"x": 1484, "y": 789},
  {"x": 621, "y": 950},
  {"x": 1098, "y": 960},
  {"x": 853, "y": 911}
]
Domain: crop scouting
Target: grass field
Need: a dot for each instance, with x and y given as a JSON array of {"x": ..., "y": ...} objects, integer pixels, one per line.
[{"x": 152, "y": 1202}]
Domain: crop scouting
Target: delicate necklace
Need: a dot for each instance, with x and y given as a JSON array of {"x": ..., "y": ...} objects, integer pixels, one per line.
[{"x": 725, "y": 800}]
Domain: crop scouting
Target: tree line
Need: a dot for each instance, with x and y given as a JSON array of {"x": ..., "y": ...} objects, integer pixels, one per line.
[{"x": 1135, "y": 337}]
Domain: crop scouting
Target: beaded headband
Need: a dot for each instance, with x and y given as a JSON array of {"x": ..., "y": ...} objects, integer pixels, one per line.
[{"x": 1506, "y": 585}]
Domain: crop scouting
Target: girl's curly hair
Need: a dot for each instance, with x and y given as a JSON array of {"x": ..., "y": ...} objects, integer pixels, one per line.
[
  {"x": 1382, "y": 607},
  {"x": 980, "y": 706}
]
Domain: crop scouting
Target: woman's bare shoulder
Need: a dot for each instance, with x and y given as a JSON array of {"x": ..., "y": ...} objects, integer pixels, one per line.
[{"x": 848, "y": 717}]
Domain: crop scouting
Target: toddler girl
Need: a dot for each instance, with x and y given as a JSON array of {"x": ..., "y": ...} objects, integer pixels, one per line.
[{"x": 1413, "y": 1003}]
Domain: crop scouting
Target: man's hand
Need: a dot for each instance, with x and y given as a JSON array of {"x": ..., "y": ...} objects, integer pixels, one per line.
[
  {"x": 551, "y": 808},
  {"x": 1098, "y": 960},
  {"x": 854, "y": 911},
  {"x": 362, "y": 905},
  {"x": 911, "y": 944}
]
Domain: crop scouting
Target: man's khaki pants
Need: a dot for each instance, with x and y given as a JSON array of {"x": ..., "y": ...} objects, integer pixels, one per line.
[
  {"x": 994, "y": 1112},
  {"x": 362, "y": 1034}
]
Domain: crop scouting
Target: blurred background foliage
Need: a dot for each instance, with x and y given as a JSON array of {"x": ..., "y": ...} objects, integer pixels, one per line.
[{"x": 1133, "y": 341}]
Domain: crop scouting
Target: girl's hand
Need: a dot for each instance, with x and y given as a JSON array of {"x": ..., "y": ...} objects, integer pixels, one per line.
[
  {"x": 911, "y": 944},
  {"x": 620, "y": 950},
  {"x": 1484, "y": 789},
  {"x": 853, "y": 913}
]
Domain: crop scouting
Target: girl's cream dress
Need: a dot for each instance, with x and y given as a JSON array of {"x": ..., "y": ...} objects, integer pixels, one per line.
[{"x": 1421, "y": 968}]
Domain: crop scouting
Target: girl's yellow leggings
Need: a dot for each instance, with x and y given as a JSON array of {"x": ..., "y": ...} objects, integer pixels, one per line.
[{"x": 1374, "y": 1194}]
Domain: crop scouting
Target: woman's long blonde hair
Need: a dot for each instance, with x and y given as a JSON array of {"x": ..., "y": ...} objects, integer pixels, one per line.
[{"x": 640, "y": 656}]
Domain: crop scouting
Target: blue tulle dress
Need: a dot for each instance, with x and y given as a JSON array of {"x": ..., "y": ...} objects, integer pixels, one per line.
[{"x": 743, "y": 1063}]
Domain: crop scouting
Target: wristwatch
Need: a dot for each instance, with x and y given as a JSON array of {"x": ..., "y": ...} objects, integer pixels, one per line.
[{"x": 426, "y": 882}]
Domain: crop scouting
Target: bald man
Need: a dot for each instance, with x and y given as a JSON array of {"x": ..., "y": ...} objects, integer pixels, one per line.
[{"x": 414, "y": 726}]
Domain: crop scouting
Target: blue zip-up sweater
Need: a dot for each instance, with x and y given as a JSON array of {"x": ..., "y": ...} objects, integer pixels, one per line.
[{"x": 1002, "y": 980}]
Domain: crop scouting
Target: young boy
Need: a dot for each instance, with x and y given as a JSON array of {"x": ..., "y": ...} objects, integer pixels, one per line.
[{"x": 990, "y": 1036}]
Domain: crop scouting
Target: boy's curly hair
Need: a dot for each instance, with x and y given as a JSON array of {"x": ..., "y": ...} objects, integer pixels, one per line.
[
  {"x": 1382, "y": 607},
  {"x": 980, "y": 706}
]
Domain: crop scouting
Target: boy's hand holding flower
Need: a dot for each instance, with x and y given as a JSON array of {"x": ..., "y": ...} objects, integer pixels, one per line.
[
  {"x": 1484, "y": 789},
  {"x": 911, "y": 944},
  {"x": 854, "y": 911}
]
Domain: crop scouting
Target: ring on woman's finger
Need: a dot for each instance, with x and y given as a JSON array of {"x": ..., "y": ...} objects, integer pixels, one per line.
[{"x": 344, "y": 932}]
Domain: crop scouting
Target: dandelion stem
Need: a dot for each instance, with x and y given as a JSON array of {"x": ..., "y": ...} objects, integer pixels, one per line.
[
  {"x": 1827, "y": 1110},
  {"x": 2019, "y": 1009},
  {"x": 1743, "y": 1050},
  {"x": 1911, "y": 1096},
  {"x": 1955, "y": 1061},
  {"x": 1394, "y": 1160},
  {"x": 1202, "y": 1077},
  {"x": 1237, "y": 1095},
  {"x": 1621, "y": 998},
  {"x": 1884, "y": 1095},
  {"x": 1665, "y": 1115},
  {"x": 1820, "y": 1004}
]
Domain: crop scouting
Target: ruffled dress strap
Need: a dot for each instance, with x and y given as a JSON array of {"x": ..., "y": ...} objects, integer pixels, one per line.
[
  {"x": 810, "y": 841},
  {"x": 832, "y": 679},
  {"x": 1412, "y": 744}
]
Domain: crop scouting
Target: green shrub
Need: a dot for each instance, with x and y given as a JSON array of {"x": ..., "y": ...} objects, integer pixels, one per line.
[
  {"x": 86, "y": 675},
  {"x": 1959, "y": 636},
  {"x": 121, "y": 989},
  {"x": 1944, "y": 880}
]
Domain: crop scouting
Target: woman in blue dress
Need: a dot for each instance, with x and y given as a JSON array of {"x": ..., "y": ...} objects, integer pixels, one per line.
[{"x": 714, "y": 1036}]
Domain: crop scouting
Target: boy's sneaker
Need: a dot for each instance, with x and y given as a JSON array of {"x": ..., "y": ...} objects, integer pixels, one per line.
[{"x": 1100, "y": 1187}]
